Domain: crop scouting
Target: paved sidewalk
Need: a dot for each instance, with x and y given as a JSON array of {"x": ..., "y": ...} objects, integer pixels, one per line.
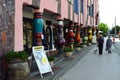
[
  {"x": 96, "y": 67},
  {"x": 61, "y": 67}
]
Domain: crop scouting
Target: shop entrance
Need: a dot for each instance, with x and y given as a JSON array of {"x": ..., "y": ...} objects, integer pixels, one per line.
[{"x": 27, "y": 28}]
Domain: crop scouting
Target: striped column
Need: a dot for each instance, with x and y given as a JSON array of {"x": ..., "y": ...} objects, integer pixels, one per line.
[
  {"x": 38, "y": 28},
  {"x": 60, "y": 40},
  {"x": 71, "y": 35}
]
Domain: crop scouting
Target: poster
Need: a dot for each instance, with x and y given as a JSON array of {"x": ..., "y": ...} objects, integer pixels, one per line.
[{"x": 41, "y": 60}]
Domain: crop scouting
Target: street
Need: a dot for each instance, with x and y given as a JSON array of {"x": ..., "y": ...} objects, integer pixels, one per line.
[{"x": 97, "y": 67}]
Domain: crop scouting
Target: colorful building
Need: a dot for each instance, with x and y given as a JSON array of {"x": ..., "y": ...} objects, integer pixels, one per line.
[{"x": 26, "y": 23}]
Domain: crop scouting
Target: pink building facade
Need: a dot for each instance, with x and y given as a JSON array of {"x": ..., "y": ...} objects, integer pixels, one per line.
[
  {"x": 64, "y": 8},
  {"x": 20, "y": 26}
]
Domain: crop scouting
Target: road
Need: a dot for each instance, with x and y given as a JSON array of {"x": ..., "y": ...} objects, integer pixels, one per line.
[{"x": 97, "y": 67}]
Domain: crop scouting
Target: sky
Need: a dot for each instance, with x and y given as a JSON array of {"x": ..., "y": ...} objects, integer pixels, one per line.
[{"x": 108, "y": 10}]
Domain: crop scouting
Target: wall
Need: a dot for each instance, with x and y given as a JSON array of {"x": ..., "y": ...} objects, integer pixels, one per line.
[
  {"x": 18, "y": 43},
  {"x": 64, "y": 8},
  {"x": 7, "y": 11},
  {"x": 49, "y": 5}
]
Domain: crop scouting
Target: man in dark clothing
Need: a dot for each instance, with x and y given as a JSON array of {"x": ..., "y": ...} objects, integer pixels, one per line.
[
  {"x": 108, "y": 45},
  {"x": 100, "y": 42}
]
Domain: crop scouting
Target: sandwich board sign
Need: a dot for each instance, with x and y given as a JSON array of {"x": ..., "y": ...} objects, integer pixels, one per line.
[{"x": 41, "y": 60}]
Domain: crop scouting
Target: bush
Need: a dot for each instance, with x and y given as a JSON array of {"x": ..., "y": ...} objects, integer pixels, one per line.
[
  {"x": 68, "y": 49},
  {"x": 79, "y": 45},
  {"x": 20, "y": 55},
  {"x": 51, "y": 58}
]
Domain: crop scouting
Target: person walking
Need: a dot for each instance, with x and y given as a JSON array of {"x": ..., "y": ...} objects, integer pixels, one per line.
[
  {"x": 97, "y": 37},
  {"x": 100, "y": 42},
  {"x": 108, "y": 44}
]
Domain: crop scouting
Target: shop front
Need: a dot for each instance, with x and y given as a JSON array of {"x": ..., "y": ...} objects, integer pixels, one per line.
[{"x": 27, "y": 28}]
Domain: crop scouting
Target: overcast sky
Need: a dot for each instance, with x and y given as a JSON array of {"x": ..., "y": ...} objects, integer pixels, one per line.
[{"x": 108, "y": 10}]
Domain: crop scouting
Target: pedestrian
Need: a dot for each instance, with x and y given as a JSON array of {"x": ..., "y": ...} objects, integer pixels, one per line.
[
  {"x": 96, "y": 49},
  {"x": 100, "y": 42},
  {"x": 108, "y": 44}
]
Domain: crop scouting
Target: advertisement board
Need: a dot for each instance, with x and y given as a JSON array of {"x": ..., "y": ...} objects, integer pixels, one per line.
[{"x": 41, "y": 60}]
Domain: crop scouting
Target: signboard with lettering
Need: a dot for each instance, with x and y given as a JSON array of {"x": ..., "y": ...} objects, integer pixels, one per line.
[{"x": 41, "y": 60}]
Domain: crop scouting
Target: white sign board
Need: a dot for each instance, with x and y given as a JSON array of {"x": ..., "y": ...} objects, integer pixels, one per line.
[{"x": 41, "y": 60}]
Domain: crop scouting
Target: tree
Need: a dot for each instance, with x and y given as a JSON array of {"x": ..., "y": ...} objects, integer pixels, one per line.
[
  {"x": 117, "y": 29},
  {"x": 103, "y": 27}
]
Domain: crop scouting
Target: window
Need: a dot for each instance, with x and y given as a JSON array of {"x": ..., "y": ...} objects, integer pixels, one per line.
[
  {"x": 81, "y": 6},
  {"x": 88, "y": 10},
  {"x": 76, "y": 6},
  {"x": 92, "y": 11},
  {"x": 27, "y": 34}
]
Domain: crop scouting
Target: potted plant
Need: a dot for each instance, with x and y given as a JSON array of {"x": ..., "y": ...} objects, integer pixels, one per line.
[
  {"x": 83, "y": 45},
  {"x": 17, "y": 63},
  {"x": 68, "y": 51},
  {"x": 78, "y": 47},
  {"x": 51, "y": 60},
  {"x": 20, "y": 55},
  {"x": 89, "y": 44}
]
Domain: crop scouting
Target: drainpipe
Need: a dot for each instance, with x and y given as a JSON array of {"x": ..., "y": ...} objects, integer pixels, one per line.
[{"x": 38, "y": 28}]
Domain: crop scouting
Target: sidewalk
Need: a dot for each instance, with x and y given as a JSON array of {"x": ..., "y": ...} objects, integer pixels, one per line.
[
  {"x": 62, "y": 65},
  {"x": 96, "y": 67}
]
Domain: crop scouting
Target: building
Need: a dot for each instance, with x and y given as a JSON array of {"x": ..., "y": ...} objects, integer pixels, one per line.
[{"x": 18, "y": 25}]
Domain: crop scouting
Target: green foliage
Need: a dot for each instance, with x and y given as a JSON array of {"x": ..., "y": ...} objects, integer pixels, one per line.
[
  {"x": 51, "y": 58},
  {"x": 113, "y": 29},
  {"x": 79, "y": 45},
  {"x": 83, "y": 44},
  {"x": 103, "y": 27},
  {"x": 21, "y": 55},
  {"x": 68, "y": 49}
]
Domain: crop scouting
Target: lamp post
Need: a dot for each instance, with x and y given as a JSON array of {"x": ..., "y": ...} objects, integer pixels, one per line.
[{"x": 115, "y": 26}]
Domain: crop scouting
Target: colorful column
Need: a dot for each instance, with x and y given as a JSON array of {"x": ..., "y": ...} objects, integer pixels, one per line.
[
  {"x": 89, "y": 35},
  {"x": 77, "y": 36},
  {"x": 71, "y": 35},
  {"x": 60, "y": 40},
  {"x": 38, "y": 28}
]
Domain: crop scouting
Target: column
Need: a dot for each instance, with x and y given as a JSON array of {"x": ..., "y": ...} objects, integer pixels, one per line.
[
  {"x": 60, "y": 40},
  {"x": 77, "y": 36},
  {"x": 38, "y": 28},
  {"x": 71, "y": 35}
]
